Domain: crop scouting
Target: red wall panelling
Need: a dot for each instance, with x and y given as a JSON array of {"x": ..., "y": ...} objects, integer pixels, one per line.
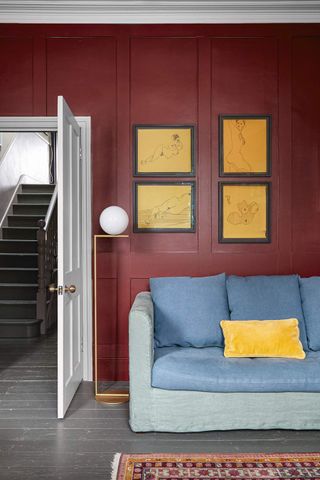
[{"x": 178, "y": 74}]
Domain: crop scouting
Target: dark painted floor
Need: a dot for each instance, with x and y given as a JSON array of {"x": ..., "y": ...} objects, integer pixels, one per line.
[{"x": 34, "y": 445}]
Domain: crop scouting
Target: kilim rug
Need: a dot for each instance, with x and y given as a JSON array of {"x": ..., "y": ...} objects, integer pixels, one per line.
[{"x": 206, "y": 466}]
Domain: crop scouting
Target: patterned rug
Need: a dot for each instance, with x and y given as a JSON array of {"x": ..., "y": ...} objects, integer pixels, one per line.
[{"x": 167, "y": 466}]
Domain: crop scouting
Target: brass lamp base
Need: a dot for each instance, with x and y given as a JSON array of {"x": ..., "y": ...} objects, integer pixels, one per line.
[{"x": 113, "y": 397}]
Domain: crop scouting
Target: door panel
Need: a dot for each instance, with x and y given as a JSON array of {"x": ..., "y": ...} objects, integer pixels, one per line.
[{"x": 70, "y": 363}]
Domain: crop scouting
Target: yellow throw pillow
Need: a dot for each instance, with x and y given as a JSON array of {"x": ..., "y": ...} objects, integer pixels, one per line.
[{"x": 262, "y": 338}]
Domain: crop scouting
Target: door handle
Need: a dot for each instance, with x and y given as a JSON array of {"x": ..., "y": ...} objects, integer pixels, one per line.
[
  {"x": 52, "y": 288},
  {"x": 70, "y": 289}
]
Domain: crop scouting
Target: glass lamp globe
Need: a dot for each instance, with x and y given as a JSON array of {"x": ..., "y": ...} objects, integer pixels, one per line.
[{"x": 114, "y": 220}]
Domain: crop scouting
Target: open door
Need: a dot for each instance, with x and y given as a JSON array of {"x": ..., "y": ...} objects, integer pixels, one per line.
[{"x": 70, "y": 311}]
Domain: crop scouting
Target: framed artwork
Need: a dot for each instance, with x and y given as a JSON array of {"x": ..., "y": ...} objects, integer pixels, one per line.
[
  {"x": 244, "y": 212},
  {"x": 245, "y": 145},
  {"x": 164, "y": 207},
  {"x": 164, "y": 150}
]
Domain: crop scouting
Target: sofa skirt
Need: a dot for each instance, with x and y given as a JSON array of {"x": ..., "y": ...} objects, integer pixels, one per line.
[{"x": 185, "y": 411}]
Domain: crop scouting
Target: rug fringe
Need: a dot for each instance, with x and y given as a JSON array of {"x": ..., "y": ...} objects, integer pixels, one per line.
[{"x": 115, "y": 466}]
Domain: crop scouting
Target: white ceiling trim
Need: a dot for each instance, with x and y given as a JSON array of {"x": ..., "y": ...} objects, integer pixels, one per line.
[{"x": 159, "y": 11}]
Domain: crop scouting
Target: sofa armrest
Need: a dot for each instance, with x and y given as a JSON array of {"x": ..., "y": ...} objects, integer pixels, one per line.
[
  {"x": 141, "y": 357},
  {"x": 141, "y": 332}
]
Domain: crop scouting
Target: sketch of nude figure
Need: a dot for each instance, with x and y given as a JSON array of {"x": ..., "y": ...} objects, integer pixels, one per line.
[
  {"x": 165, "y": 151},
  {"x": 173, "y": 206},
  {"x": 245, "y": 214},
  {"x": 234, "y": 158}
]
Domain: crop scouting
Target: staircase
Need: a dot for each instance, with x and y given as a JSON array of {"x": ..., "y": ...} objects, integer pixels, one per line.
[{"x": 19, "y": 261}]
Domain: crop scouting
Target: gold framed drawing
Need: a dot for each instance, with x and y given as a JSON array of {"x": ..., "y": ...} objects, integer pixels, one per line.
[
  {"x": 244, "y": 212},
  {"x": 164, "y": 150},
  {"x": 164, "y": 206},
  {"x": 245, "y": 145}
]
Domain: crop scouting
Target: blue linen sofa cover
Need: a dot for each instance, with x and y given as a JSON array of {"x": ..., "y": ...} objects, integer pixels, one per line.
[
  {"x": 159, "y": 409},
  {"x": 188, "y": 310},
  {"x": 207, "y": 370},
  {"x": 310, "y": 297},
  {"x": 266, "y": 297}
]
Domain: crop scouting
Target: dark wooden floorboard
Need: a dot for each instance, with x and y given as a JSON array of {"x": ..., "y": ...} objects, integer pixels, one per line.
[{"x": 34, "y": 444}]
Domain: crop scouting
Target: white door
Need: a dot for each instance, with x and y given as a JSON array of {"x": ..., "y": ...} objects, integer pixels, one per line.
[{"x": 70, "y": 311}]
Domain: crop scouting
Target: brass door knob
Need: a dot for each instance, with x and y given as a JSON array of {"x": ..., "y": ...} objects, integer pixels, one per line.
[
  {"x": 70, "y": 289},
  {"x": 52, "y": 288}
]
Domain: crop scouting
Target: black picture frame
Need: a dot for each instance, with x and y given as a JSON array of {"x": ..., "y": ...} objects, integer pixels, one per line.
[
  {"x": 137, "y": 173},
  {"x": 221, "y": 237},
  {"x": 137, "y": 229},
  {"x": 223, "y": 117}
]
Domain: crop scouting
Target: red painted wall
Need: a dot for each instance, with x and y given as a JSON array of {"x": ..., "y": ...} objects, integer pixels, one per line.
[{"x": 121, "y": 75}]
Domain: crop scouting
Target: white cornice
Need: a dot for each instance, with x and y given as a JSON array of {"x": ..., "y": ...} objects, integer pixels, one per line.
[{"x": 159, "y": 11}]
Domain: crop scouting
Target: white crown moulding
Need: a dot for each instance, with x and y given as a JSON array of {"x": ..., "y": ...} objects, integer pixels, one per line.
[{"x": 159, "y": 11}]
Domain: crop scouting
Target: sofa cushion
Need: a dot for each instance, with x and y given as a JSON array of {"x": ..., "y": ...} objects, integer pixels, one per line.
[
  {"x": 262, "y": 338},
  {"x": 261, "y": 297},
  {"x": 188, "y": 310},
  {"x": 206, "y": 369},
  {"x": 310, "y": 296}
]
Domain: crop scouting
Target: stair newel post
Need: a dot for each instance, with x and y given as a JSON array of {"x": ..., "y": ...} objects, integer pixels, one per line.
[{"x": 42, "y": 285}]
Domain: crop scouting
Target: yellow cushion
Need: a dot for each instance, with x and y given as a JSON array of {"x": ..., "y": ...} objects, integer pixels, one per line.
[{"x": 262, "y": 338}]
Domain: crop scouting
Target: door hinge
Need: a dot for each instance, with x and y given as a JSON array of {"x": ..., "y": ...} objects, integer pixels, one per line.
[{"x": 81, "y": 345}]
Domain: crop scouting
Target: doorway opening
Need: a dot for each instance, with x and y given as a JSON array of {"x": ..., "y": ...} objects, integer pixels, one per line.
[
  {"x": 28, "y": 233},
  {"x": 28, "y": 258}
]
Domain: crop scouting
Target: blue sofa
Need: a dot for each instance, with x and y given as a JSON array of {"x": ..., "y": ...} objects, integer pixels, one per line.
[{"x": 180, "y": 380}]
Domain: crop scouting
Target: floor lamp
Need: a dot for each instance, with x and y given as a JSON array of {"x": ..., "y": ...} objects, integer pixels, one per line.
[{"x": 114, "y": 221}]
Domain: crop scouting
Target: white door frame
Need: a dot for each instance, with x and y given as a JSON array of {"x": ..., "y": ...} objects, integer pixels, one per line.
[{"x": 50, "y": 124}]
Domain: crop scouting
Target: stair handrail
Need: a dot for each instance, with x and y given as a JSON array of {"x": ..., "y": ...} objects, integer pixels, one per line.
[{"x": 51, "y": 208}]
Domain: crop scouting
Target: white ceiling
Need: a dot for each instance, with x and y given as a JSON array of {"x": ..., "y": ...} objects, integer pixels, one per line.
[{"x": 159, "y": 11}]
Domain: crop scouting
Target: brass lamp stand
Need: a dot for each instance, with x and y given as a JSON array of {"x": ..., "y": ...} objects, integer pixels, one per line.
[{"x": 109, "y": 396}]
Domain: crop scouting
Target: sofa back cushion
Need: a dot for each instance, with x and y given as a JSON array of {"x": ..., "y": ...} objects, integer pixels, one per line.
[
  {"x": 261, "y": 297},
  {"x": 310, "y": 296},
  {"x": 188, "y": 310}
]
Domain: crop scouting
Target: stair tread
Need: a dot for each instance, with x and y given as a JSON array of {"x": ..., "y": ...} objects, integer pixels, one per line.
[
  {"x": 24, "y": 215},
  {"x": 19, "y": 320},
  {"x": 21, "y": 228},
  {"x": 14, "y": 284},
  {"x": 29, "y": 269},
  {"x": 18, "y": 253},
  {"x": 29, "y": 204},
  {"x": 18, "y": 302},
  {"x": 35, "y": 193},
  {"x": 38, "y": 184},
  {"x": 17, "y": 240}
]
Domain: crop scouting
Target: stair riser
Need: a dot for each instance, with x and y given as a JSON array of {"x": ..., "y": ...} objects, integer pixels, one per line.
[
  {"x": 16, "y": 221},
  {"x": 18, "y": 247},
  {"x": 19, "y": 261},
  {"x": 19, "y": 233},
  {"x": 20, "y": 331},
  {"x": 37, "y": 188},
  {"x": 30, "y": 209},
  {"x": 44, "y": 198},
  {"x": 18, "y": 293},
  {"x": 18, "y": 276},
  {"x": 17, "y": 311}
]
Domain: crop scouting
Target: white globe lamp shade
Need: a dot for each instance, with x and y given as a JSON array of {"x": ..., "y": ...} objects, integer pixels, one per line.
[{"x": 114, "y": 220}]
